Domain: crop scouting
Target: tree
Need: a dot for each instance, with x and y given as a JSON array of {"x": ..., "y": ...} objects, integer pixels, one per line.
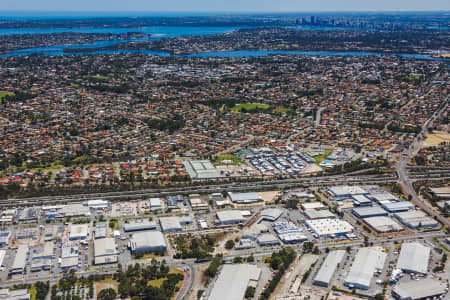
[
  {"x": 379, "y": 296},
  {"x": 275, "y": 262},
  {"x": 229, "y": 244},
  {"x": 107, "y": 294},
  {"x": 249, "y": 292},
  {"x": 292, "y": 203}
]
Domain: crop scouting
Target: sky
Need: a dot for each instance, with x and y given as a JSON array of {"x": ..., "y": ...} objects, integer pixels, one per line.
[{"x": 223, "y": 5}]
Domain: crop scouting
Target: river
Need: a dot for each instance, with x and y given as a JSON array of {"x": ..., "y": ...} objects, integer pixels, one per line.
[{"x": 158, "y": 32}]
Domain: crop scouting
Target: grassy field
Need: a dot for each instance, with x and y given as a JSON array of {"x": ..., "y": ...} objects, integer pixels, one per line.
[
  {"x": 230, "y": 157},
  {"x": 32, "y": 291},
  {"x": 3, "y": 94},
  {"x": 321, "y": 158},
  {"x": 96, "y": 77},
  {"x": 158, "y": 282},
  {"x": 281, "y": 110},
  {"x": 249, "y": 106}
]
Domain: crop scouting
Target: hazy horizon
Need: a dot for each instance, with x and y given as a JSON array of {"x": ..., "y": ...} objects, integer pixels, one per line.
[{"x": 230, "y": 6}]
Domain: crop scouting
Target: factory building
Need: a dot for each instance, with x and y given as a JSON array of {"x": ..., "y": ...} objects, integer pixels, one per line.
[
  {"x": 146, "y": 241},
  {"x": 346, "y": 191},
  {"x": 267, "y": 239},
  {"x": 5, "y": 238},
  {"x": 312, "y": 205},
  {"x": 155, "y": 204},
  {"x": 78, "y": 231},
  {"x": 382, "y": 197},
  {"x": 100, "y": 230},
  {"x": 69, "y": 256},
  {"x": 383, "y": 224},
  {"x": 314, "y": 214},
  {"x": 98, "y": 204},
  {"x": 414, "y": 258},
  {"x": 201, "y": 169},
  {"x": 289, "y": 233},
  {"x": 20, "y": 294},
  {"x": 139, "y": 225},
  {"x": 419, "y": 290},
  {"x": 105, "y": 251},
  {"x": 329, "y": 266},
  {"x": 394, "y": 207},
  {"x": 271, "y": 214},
  {"x": 361, "y": 200},
  {"x": 42, "y": 257},
  {"x": 18, "y": 266},
  {"x": 416, "y": 219},
  {"x": 369, "y": 211},
  {"x": 233, "y": 281},
  {"x": 244, "y": 198},
  {"x": 367, "y": 262},
  {"x": 329, "y": 227},
  {"x": 2, "y": 257},
  {"x": 226, "y": 217},
  {"x": 170, "y": 224}
]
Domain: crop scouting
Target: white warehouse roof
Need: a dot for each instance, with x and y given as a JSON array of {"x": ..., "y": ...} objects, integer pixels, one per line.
[
  {"x": 229, "y": 216},
  {"x": 422, "y": 289},
  {"x": 414, "y": 258},
  {"x": 233, "y": 280},
  {"x": 329, "y": 226},
  {"x": 170, "y": 224},
  {"x": 78, "y": 231},
  {"x": 367, "y": 261},
  {"x": 328, "y": 268},
  {"x": 147, "y": 241},
  {"x": 343, "y": 191}
]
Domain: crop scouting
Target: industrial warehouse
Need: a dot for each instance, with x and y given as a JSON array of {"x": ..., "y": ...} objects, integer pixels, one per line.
[
  {"x": 367, "y": 262},
  {"x": 329, "y": 266},
  {"x": 414, "y": 258},
  {"x": 147, "y": 241},
  {"x": 419, "y": 290},
  {"x": 233, "y": 281},
  {"x": 329, "y": 227}
]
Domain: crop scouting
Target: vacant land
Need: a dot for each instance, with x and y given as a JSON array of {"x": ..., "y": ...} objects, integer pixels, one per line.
[
  {"x": 105, "y": 284},
  {"x": 435, "y": 138}
]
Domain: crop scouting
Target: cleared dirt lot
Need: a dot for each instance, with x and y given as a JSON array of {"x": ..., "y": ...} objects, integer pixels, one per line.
[{"x": 436, "y": 138}]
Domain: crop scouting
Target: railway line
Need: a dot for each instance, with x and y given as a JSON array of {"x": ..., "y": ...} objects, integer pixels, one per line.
[{"x": 233, "y": 187}]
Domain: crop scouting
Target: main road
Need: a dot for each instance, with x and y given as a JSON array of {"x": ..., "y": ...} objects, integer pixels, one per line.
[{"x": 403, "y": 172}]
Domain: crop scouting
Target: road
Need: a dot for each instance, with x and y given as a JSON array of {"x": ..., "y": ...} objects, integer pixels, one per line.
[
  {"x": 403, "y": 172},
  {"x": 189, "y": 275}
]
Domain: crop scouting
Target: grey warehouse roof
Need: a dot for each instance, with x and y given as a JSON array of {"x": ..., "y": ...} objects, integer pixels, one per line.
[
  {"x": 233, "y": 281},
  {"x": 271, "y": 214},
  {"x": 414, "y": 258},
  {"x": 244, "y": 197},
  {"x": 140, "y": 224},
  {"x": 369, "y": 211}
]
